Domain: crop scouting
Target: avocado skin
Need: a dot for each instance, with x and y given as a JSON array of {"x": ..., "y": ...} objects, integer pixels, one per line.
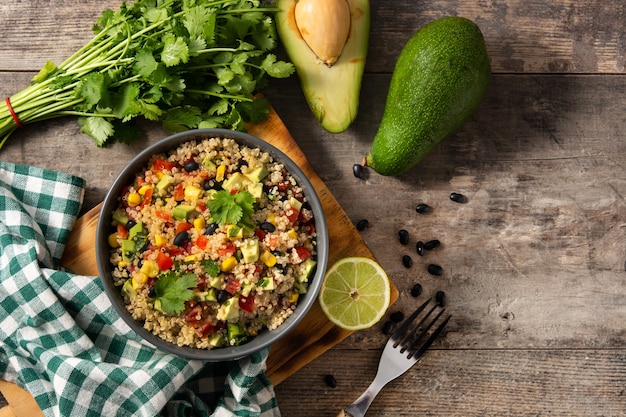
[{"x": 440, "y": 78}]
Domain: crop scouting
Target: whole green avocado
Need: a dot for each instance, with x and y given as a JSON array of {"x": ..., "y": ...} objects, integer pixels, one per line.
[{"x": 439, "y": 79}]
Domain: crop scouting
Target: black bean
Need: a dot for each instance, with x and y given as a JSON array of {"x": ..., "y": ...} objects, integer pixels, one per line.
[
  {"x": 211, "y": 228},
  {"x": 222, "y": 296},
  {"x": 422, "y": 208},
  {"x": 211, "y": 184},
  {"x": 268, "y": 227},
  {"x": 388, "y": 327},
  {"x": 407, "y": 261},
  {"x": 416, "y": 290},
  {"x": 181, "y": 238},
  {"x": 330, "y": 381},
  {"x": 152, "y": 292},
  {"x": 357, "y": 170},
  {"x": 362, "y": 225},
  {"x": 435, "y": 269},
  {"x": 191, "y": 166},
  {"x": 457, "y": 198},
  {"x": 440, "y": 298},
  {"x": 432, "y": 244},
  {"x": 403, "y": 235},
  {"x": 419, "y": 247},
  {"x": 130, "y": 224},
  {"x": 397, "y": 316}
]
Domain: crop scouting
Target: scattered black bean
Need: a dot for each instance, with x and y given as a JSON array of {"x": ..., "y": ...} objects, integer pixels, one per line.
[
  {"x": 457, "y": 198},
  {"x": 440, "y": 298},
  {"x": 211, "y": 228},
  {"x": 181, "y": 238},
  {"x": 419, "y": 247},
  {"x": 211, "y": 184},
  {"x": 191, "y": 166},
  {"x": 403, "y": 235},
  {"x": 422, "y": 208},
  {"x": 435, "y": 269},
  {"x": 432, "y": 244},
  {"x": 130, "y": 224},
  {"x": 357, "y": 170},
  {"x": 416, "y": 290},
  {"x": 222, "y": 296},
  {"x": 388, "y": 327},
  {"x": 407, "y": 261},
  {"x": 397, "y": 316},
  {"x": 268, "y": 227},
  {"x": 330, "y": 381},
  {"x": 362, "y": 225}
]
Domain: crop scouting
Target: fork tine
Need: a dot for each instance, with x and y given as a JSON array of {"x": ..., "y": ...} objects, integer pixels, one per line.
[
  {"x": 419, "y": 338},
  {"x": 420, "y": 351},
  {"x": 407, "y": 322}
]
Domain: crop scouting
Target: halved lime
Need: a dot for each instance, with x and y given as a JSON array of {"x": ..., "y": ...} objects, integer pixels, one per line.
[{"x": 355, "y": 294}]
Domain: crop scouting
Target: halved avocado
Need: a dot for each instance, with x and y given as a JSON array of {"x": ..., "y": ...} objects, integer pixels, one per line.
[{"x": 332, "y": 92}]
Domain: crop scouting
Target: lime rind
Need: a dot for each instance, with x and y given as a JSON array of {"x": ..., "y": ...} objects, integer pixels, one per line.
[{"x": 350, "y": 276}]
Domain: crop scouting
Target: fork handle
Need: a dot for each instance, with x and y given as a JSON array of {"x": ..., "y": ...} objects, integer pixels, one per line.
[{"x": 361, "y": 404}]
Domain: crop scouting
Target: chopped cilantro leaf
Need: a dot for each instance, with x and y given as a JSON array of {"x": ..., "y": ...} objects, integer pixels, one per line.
[
  {"x": 227, "y": 208},
  {"x": 172, "y": 291}
]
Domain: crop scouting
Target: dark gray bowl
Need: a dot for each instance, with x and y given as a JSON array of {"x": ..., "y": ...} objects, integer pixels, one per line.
[{"x": 265, "y": 338}]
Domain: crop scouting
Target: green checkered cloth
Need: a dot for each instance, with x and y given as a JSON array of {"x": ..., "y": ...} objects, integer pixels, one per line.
[{"x": 62, "y": 341}]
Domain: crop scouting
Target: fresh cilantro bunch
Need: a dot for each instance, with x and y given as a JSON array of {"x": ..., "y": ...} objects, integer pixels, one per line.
[
  {"x": 236, "y": 209},
  {"x": 172, "y": 291},
  {"x": 186, "y": 63}
]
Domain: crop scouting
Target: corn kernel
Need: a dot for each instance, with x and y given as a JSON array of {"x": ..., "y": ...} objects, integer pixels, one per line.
[
  {"x": 291, "y": 233},
  {"x": 268, "y": 258},
  {"x": 191, "y": 258},
  {"x": 122, "y": 264},
  {"x": 199, "y": 223},
  {"x": 133, "y": 199},
  {"x": 228, "y": 264},
  {"x": 144, "y": 189},
  {"x": 192, "y": 192},
  {"x": 234, "y": 232},
  {"x": 294, "y": 297},
  {"x": 219, "y": 174},
  {"x": 271, "y": 218},
  {"x": 150, "y": 269},
  {"x": 113, "y": 240},
  {"x": 160, "y": 240},
  {"x": 139, "y": 279}
]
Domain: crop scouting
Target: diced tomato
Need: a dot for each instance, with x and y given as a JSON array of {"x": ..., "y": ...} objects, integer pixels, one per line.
[
  {"x": 232, "y": 286},
  {"x": 202, "y": 241},
  {"x": 175, "y": 250},
  {"x": 260, "y": 233},
  {"x": 147, "y": 197},
  {"x": 122, "y": 231},
  {"x": 303, "y": 252},
  {"x": 247, "y": 303},
  {"x": 272, "y": 242},
  {"x": 179, "y": 192},
  {"x": 194, "y": 315},
  {"x": 162, "y": 165},
  {"x": 206, "y": 328},
  {"x": 284, "y": 185},
  {"x": 228, "y": 250},
  {"x": 292, "y": 215},
  {"x": 163, "y": 215},
  {"x": 201, "y": 206},
  {"x": 183, "y": 227},
  {"x": 164, "y": 261}
]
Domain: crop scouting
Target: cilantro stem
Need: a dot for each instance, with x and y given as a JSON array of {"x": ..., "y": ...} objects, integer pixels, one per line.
[{"x": 220, "y": 95}]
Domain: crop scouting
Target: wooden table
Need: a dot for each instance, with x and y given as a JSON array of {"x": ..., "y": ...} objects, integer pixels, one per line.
[{"x": 533, "y": 262}]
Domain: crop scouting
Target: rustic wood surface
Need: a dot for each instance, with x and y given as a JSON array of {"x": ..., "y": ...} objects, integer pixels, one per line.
[{"x": 533, "y": 262}]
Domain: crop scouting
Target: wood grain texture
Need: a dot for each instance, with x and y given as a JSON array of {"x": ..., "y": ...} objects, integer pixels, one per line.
[{"x": 533, "y": 263}]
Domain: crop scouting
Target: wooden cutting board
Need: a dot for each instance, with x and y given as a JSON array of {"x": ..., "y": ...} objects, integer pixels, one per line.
[{"x": 312, "y": 337}]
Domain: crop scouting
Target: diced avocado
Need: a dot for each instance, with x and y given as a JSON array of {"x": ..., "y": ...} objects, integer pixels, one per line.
[
  {"x": 234, "y": 182},
  {"x": 165, "y": 181},
  {"x": 256, "y": 189},
  {"x": 229, "y": 309},
  {"x": 308, "y": 266},
  {"x": 127, "y": 288},
  {"x": 246, "y": 289},
  {"x": 128, "y": 250},
  {"x": 208, "y": 164},
  {"x": 250, "y": 250},
  {"x": 300, "y": 287},
  {"x": 216, "y": 282},
  {"x": 120, "y": 217},
  {"x": 258, "y": 173},
  {"x": 216, "y": 340},
  {"x": 236, "y": 333},
  {"x": 182, "y": 211},
  {"x": 234, "y": 231},
  {"x": 295, "y": 203},
  {"x": 266, "y": 284},
  {"x": 136, "y": 230},
  {"x": 208, "y": 295}
]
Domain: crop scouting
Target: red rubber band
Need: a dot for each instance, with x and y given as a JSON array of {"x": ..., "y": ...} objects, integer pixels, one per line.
[{"x": 15, "y": 118}]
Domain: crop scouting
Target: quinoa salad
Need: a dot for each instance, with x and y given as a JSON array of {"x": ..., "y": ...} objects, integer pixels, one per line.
[{"x": 212, "y": 243}]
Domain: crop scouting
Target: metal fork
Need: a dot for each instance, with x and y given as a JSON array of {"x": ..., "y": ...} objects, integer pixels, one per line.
[{"x": 403, "y": 350}]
